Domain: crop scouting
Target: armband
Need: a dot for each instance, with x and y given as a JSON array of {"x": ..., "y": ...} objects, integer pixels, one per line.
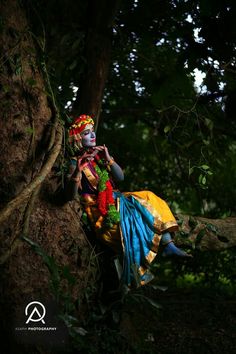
[{"x": 111, "y": 161}]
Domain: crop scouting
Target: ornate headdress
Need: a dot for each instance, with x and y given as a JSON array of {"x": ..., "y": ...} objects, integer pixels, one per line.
[{"x": 80, "y": 124}]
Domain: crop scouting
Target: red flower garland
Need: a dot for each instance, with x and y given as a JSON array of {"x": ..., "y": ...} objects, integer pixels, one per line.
[{"x": 105, "y": 198}]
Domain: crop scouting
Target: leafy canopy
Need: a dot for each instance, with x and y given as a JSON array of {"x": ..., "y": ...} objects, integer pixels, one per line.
[{"x": 172, "y": 137}]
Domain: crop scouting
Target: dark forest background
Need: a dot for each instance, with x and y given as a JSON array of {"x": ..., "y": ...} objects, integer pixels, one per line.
[
  {"x": 171, "y": 136},
  {"x": 131, "y": 65}
]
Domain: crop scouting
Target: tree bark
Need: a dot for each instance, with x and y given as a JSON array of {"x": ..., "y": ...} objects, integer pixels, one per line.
[
  {"x": 206, "y": 234},
  {"x": 31, "y": 139},
  {"x": 97, "y": 56}
]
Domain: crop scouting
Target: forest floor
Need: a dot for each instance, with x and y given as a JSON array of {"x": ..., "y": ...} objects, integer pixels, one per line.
[
  {"x": 184, "y": 310},
  {"x": 189, "y": 321}
]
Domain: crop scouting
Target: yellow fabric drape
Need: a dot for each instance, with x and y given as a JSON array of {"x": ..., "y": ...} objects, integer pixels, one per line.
[{"x": 163, "y": 220}]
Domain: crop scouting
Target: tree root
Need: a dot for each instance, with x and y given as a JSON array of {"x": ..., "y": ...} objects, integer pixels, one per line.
[
  {"x": 18, "y": 241},
  {"x": 23, "y": 195}
]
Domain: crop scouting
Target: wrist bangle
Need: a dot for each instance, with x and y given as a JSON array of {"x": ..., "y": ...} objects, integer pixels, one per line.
[
  {"x": 110, "y": 162},
  {"x": 76, "y": 179}
]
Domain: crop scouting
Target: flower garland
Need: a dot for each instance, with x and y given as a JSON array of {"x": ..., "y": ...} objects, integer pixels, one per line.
[{"x": 105, "y": 201}]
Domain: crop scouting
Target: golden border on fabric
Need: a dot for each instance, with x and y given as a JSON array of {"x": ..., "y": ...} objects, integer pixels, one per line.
[
  {"x": 147, "y": 205},
  {"x": 150, "y": 256},
  {"x": 121, "y": 233},
  {"x": 152, "y": 253},
  {"x": 91, "y": 178},
  {"x": 156, "y": 242},
  {"x": 170, "y": 226},
  {"x": 142, "y": 270},
  {"x": 88, "y": 199},
  {"x": 89, "y": 213},
  {"x": 158, "y": 224},
  {"x": 157, "y": 218}
]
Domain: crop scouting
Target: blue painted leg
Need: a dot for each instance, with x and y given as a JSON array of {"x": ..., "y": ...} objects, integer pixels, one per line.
[{"x": 170, "y": 250}]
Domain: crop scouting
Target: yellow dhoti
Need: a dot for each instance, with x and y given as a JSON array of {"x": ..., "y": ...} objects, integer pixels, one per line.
[{"x": 163, "y": 218}]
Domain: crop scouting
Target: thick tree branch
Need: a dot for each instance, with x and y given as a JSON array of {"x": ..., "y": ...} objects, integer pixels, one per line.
[{"x": 206, "y": 234}]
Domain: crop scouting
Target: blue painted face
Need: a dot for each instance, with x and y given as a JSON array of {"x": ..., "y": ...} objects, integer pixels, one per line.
[{"x": 88, "y": 137}]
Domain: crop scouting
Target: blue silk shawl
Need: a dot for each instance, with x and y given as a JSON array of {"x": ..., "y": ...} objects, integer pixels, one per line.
[{"x": 137, "y": 228}]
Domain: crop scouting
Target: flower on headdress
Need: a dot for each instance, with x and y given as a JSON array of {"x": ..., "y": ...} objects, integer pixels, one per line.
[{"x": 80, "y": 124}]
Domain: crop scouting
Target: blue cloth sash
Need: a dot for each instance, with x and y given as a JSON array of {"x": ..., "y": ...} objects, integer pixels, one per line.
[{"x": 137, "y": 226}]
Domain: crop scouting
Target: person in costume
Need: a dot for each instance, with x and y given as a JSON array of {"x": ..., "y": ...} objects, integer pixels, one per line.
[{"x": 134, "y": 224}]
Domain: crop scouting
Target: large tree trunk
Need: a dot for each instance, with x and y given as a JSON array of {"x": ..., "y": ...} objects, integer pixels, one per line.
[
  {"x": 101, "y": 16},
  {"x": 30, "y": 142}
]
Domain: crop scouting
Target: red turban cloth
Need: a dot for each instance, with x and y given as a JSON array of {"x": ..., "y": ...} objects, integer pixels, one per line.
[{"x": 80, "y": 124}]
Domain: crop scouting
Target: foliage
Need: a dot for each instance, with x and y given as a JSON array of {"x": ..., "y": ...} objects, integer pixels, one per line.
[
  {"x": 209, "y": 272},
  {"x": 165, "y": 123},
  {"x": 158, "y": 124}
]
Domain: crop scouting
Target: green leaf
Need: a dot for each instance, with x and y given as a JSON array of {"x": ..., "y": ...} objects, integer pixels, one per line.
[
  {"x": 80, "y": 330},
  {"x": 167, "y": 129},
  {"x": 115, "y": 316},
  {"x": 30, "y": 130},
  {"x": 205, "y": 167},
  {"x": 118, "y": 267},
  {"x": 200, "y": 236},
  {"x": 209, "y": 123},
  {"x": 73, "y": 65},
  {"x": 190, "y": 171},
  {"x": 31, "y": 82},
  {"x": 204, "y": 180},
  {"x": 211, "y": 227},
  {"x": 192, "y": 223},
  {"x": 184, "y": 234},
  {"x": 206, "y": 142},
  {"x": 159, "y": 287},
  {"x": 67, "y": 275},
  {"x": 200, "y": 178},
  {"x": 153, "y": 303},
  {"x": 76, "y": 43}
]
